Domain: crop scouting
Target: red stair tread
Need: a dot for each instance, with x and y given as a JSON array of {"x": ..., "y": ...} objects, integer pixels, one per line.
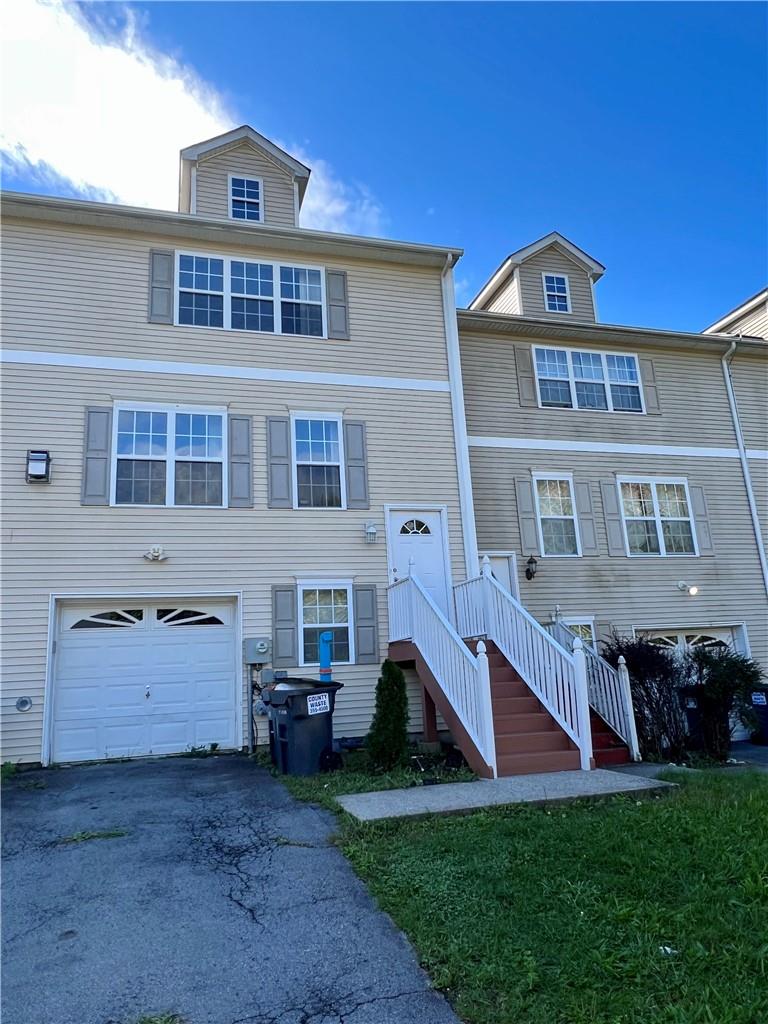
[{"x": 543, "y": 761}]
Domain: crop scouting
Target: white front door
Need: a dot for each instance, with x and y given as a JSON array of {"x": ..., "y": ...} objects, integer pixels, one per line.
[
  {"x": 134, "y": 677},
  {"x": 416, "y": 539}
]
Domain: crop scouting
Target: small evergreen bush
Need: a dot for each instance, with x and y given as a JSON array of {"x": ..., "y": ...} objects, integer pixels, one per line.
[
  {"x": 387, "y": 741},
  {"x": 722, "y": 682}
]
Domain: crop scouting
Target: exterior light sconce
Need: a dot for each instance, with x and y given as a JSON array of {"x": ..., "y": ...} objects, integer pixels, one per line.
[
  {"x": 155, "y": 554},
  {"x": 530, "y": 568},
  {"x": 692, "y": 591},
  {"x": 38, "y": 467},
  {"x": 370, "y": 531}
]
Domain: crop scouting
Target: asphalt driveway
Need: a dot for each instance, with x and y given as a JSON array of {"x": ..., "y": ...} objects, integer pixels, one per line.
[{"x": 224, "y": 902}]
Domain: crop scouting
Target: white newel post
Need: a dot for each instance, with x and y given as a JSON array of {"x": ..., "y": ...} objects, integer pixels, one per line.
[
  {"x": 629, "y": 710},
  {"x": 486, "y": 702},
  {"x": 582, "y": 702},
  {"x": 485, "y": 573}
]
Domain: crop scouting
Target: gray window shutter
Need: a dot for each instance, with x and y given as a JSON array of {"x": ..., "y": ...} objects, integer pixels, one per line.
[
  {"x": 279, "y": 474},
  {"x": 356, "y": 459},
  {"x": 338, "y": 304},
  {"x": 285, "y": 627},
  {"x": 526, "y": 380},
  {"x": 585, "y": 514},
  {"x": 701, "y": 521},
  {"x": 603, "y": 633},
  {"x": 97, "y": 451},
  {"x": 612, "y": 513},
  {"x": 526, "y": 517},
  {"x": 366, "y": 621},
  {"x": 650, "y": 390},
  {"x": 161, "y": 273},
  {"x": 240, "y": 459}
]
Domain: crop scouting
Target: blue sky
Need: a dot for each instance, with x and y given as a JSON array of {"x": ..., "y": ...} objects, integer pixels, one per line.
[{"x": 637, "y": 130}]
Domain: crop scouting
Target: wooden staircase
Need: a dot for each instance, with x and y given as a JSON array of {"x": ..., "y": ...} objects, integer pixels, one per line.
[
  {"x": 608, "y": 748},
  {"x": 528, "y": 739}
]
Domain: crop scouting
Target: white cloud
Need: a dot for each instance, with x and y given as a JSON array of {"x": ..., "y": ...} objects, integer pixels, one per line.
[
  {"x": 97, "y": 106},
  {"x": 464, "y": 291}
]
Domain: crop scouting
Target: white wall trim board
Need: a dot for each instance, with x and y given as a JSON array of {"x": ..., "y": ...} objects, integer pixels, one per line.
[
  {"x": 93, "y": 362},
  {"x": 466, "y": 498},
  {"x": 55, "y": 599},
  {"x": 545, "y": 444}
]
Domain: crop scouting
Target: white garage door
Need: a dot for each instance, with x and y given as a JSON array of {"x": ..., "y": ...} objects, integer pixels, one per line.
[{"x": 133, "y": 678}]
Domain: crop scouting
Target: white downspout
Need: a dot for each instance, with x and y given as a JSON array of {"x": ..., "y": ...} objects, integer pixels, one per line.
[
  {"x": 726, "y": 363},
  {"x": 466, "y": 501}
]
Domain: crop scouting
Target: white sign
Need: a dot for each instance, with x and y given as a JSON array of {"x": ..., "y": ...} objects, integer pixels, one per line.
[{"x": 318, "y": 703}]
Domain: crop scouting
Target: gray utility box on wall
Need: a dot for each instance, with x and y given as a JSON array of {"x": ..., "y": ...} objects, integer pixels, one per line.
[{"x": 300, "y": 724}]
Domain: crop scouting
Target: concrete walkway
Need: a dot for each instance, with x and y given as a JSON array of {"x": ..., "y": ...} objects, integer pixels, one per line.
[{"x": 458, "y": 797}]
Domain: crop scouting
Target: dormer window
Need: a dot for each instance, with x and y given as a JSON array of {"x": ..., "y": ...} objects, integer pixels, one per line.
[
  {"x": 557, "y": 296},
  {"x": 245, "y": 198}
]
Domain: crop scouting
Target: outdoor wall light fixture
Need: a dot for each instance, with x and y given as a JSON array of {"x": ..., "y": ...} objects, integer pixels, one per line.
[
  {"x": 692, "y": 591},
  {"x": 38, "y": 467},
  {"x": 530, "y": 568},
  {"x": 370, "y": 531}
]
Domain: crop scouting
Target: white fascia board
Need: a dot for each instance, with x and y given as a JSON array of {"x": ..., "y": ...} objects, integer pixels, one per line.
[{"x": 719, "y": 326}]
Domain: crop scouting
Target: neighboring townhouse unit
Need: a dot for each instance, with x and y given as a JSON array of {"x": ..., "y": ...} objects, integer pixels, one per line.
[
  {"x": 248, "y": 424},
  {"x": 612, "y": 456},
  {"x": 223, "y": 430},
  {"x": 749, "y": 319}
]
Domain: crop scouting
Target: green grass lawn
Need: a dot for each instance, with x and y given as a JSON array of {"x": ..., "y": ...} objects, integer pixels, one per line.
[{"x": 617, "y": 912}]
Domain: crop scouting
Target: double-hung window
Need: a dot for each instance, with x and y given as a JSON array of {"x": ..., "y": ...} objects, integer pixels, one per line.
[
  {"x": 250, "y": 295},
  {"x": 171, "y": 456},
  {"x": 557, "y": 296},
  {"x": 245, "y": 198},
  {"x": 318, "y": 460},
  {"x": 657, "y": 517},
  {"x": 556, "y": 513},
  {"x": 325, "y": 606},
  {"x": 577, "y": 379}
]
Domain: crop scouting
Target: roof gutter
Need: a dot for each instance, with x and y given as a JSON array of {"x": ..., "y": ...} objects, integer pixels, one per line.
[
  {"x": 461, "y": 442},
  {"x": 727, "y": 376}
]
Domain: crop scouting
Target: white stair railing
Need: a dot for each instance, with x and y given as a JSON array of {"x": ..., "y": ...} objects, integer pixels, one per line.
[
  {"x": 464, "y": 678},
  {"x": 609, "y": 690},
  {"x": 558, "y": 678}
]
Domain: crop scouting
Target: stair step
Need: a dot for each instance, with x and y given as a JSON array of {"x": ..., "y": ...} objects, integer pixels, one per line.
[
  {"x": 504, "y": 674},
  {"x": 528, "y": 742},
  {"x": 526, "y": 721},
  {"x": 543, "y": 761},
  {"x": 509, "y": 689},
  {"x": 514, "y": 705},
  {"x": 619, "y": 755}
]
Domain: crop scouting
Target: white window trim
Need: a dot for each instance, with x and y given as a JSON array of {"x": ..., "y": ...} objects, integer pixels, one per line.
[
  {"x": 227, "y": 293},
  {"x": 303, "y": 584},
  {"x": 338, "y": 418},
  {"x": 568, "y": 477},
  {"x": 582, "y": 620},
  {"x": 653, "y": 480},
  {"x": 246, "y": 177},
  {"x": 556, "y": 273},
  {"x": 170, "y": 456},
  {"x": 572, "y": 380}
]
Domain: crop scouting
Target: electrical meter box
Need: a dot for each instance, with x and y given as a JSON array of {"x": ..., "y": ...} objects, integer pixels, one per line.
[{"x": 257, "y": 650}]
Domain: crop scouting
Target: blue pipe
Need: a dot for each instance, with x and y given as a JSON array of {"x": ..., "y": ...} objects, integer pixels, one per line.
[{"x": 326, "y": 673}]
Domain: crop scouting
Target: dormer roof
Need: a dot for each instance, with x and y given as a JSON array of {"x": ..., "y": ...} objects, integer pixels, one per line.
[
  {"x": 591, "y": 266},
  {"x": 220, "y": 143},
  {"x": 727, "y": 322}
]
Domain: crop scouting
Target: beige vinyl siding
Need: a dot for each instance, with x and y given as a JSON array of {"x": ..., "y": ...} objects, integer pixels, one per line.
[
  {"x": 750, "y": 384},
  {"x": 213, "y": 185},
  {"x": 553, "y": 260},
  {"x": 754, "y": 324},
  {"x": 632, "y": 592},
  {"x": 507, "y": 298},
  {"x": 68, "y": 290},
  {"x": 692, "y": 396},
  {"x": 55, "y": 545}
]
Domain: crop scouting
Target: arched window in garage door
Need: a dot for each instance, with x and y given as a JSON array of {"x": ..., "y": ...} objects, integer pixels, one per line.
[
  {"x": 115, "y": 618},
  {"x": 187, "y": 617}
]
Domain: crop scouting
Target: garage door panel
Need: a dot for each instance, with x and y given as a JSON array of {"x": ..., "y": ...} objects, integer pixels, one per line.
[{"x": 148, "y": 688}]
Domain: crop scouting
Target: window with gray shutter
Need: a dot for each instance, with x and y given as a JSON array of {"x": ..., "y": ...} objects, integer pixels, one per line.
[
  {"x": 279, "y": 472},
  {"x": 338, "y": 304},
  {"x": 240, "y": 462},
  {"x": 285, "y": 633},
  {"x": 526, "y": 516},
  {"x": 585, "y": 515},
  {"x": 161, "y": 274},
  {"x": 612, "y": 514},
  {"x": 365, "y": 623},
  {"x": 603, "y": 633},
  {"x": 96, "y": 456},
  {"x": 650, "y": 389},
  {"x": 526, "y": 381},
  {"x": 356, "y": 458},
  {"x": 701, "y": 520}
]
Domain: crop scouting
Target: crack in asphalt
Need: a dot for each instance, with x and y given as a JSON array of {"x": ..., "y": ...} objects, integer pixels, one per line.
[{"x": 322, "y": 1006}]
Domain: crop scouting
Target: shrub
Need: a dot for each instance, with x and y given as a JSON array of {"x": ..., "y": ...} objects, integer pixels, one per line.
[
  {"x": 721, "y": 682},
  {"x": 387, "y": 740},
  {"x": 656, "y": 677}
]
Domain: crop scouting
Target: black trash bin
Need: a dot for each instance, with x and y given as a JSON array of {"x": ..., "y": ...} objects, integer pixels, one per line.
[
  {"x": 759, "y": 700},
  {"x": 301, "y": 724}
]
